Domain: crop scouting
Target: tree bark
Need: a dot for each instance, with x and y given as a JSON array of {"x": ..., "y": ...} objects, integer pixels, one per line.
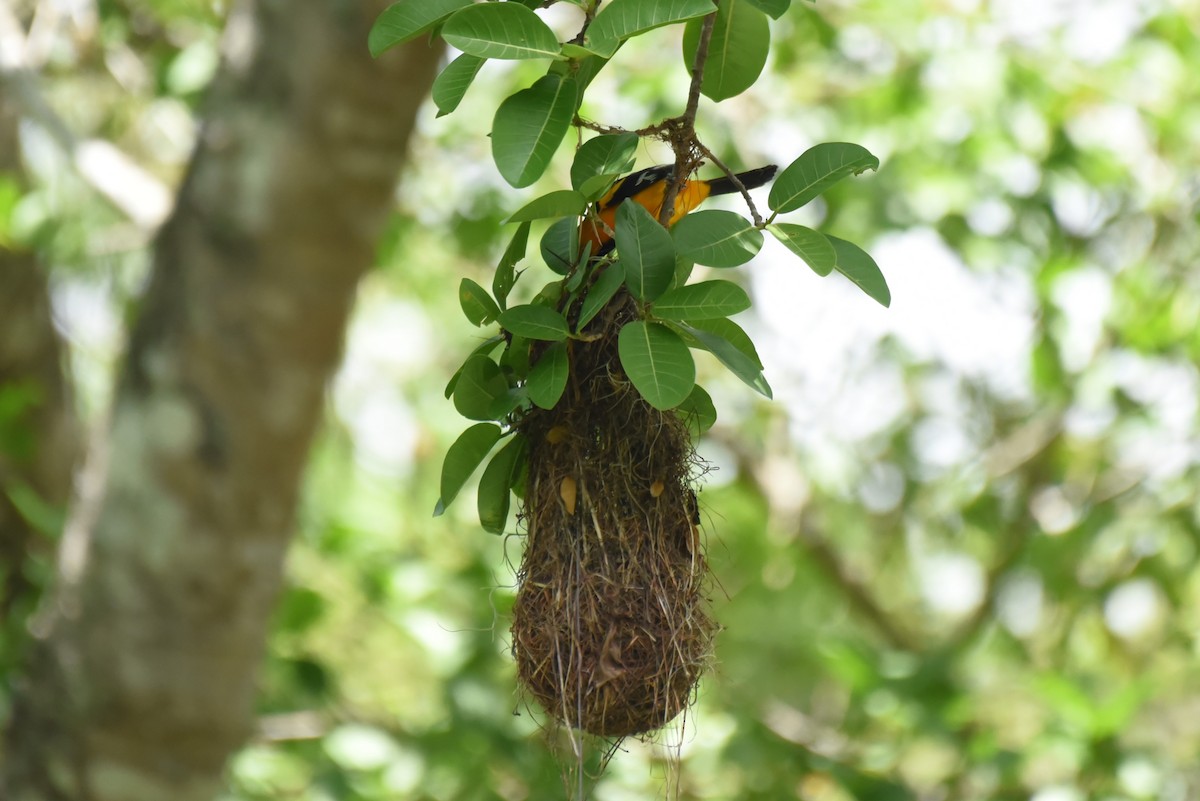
[
  {"x": 143, "y": 681},
  {"x": 39, "y": 441}
]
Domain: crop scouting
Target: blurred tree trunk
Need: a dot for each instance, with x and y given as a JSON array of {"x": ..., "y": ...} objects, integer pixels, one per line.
[
  {"x": 39, "y": 441},
  {"x": 142, "y": 677}
]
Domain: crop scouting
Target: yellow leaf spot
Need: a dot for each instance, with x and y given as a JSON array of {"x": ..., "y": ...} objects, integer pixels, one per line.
[{"x": 567, "y": 491}]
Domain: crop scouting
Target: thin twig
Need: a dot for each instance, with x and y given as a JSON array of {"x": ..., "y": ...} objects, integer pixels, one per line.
[
  {"x": 858, "y": 594},
  {"x": 853, "y": 590},
  {"x": 737, "y": 182},
  {"x": 655, "y": 130},
  {"x": 589, "y": 15},
  {"x": 1029, "y": 450},
  {"x": 683, "y": 139}
]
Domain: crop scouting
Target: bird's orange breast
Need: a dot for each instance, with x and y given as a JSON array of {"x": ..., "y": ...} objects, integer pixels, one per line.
[{"x": 598, "y": 226}]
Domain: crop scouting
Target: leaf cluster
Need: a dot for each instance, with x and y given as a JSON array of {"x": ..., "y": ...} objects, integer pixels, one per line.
[{"x": 526, "y": 363}]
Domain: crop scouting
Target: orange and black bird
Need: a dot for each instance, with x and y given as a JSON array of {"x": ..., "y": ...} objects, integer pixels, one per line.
[{"x": 648, "y": 188}]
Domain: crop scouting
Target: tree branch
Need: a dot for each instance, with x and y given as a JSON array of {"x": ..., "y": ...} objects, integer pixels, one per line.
[
  {"x": 589, "y": 14},
  {"x": 855, "y": 592},
  {"x": 35, "y": 481},
  {"x": 146, "y": 673},
  {"x": 682, "y": 130},
  {"x": 1027, "y": 449}
]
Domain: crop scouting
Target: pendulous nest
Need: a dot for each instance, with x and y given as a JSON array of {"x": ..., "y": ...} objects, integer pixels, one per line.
[{"x": 610, "y": 627}]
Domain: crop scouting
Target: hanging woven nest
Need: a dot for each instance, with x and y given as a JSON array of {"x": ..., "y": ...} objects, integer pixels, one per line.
[{"x": 610, "y": 628}]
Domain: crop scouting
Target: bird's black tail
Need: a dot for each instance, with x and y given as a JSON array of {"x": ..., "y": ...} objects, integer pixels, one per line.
[{"x": 750, "y": 179}]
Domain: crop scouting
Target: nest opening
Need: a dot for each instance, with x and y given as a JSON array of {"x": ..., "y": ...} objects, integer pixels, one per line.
[{"x": 610, "y": 627}]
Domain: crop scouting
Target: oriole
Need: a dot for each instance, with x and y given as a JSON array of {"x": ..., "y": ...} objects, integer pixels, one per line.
[{"x": 648, "y": 188}]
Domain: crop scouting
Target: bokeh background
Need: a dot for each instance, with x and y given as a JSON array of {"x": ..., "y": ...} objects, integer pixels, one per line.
[{"x": 955, "y": 556}]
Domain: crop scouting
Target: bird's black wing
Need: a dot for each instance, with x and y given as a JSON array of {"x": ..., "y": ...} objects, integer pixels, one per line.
[{"x": 635, "y": 182}]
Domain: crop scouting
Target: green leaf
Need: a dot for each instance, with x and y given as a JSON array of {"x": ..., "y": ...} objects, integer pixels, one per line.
[
  {"x": 479, "y": 383},
  {"x": 587, "y": 69},
  {"x": 560, "y": 245},
  {"x": 572, "y": 285},
  {"x": 620, "y": 19},
  {"x": 467, "y": 452},
  {"x": 529, "y": 127},
  {"x": 658, "y": 363},
  {"x": 452, "y": 83},
  {"x": 506, "y": 276},
  {"x": 572, "y": 50},
  {"x": 601, "y": 293},
  {"x": 732, "y": 333},
  {"x": 595, "y": 187},
  {"x": 561, "y": 203},
  {"x": 717, "y": 238},
  {"x": 817, "y": 169},
  {"x": 857, "y": 265},
  {"x": 476, "y": 303},
  {"x": 483, "y": 348},
  {"x": 1117, "y": 711},
  {"x": 737, "y": 51},
  {"x": 496, "y": 483},
  {"x": 535, "y": 322},
  {"x": 852, "y": 664},
  {"x": 1070, "y": 702},
  {"x": 600, "y": 160},
  {"x": 501, "y": 30},
  {"x": 549, "y": 295},
  {"x": 697, "y": 411},
  {"x": 732, "y": 357},
  {"x": 299, "y": 609},
  {"x": 11, "y": 193},
  {"x": 860, "y": 784},
  {"x": 683, "y": 270},
  {"x": 646, "y": 251},
  {"x": 776, "y": 8},
  {"x": 515, "y": 357},
  {"x": 502, "y": 406},
  {"x": 46, "y": 518},
  {"x": 706, "y": 300},
  {"x": 548, "y": 378},
  {"x": 810, "y": 245},
  {"x": 408, "y": 19}
]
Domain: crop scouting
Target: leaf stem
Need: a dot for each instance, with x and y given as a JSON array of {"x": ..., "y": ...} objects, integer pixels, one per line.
[{"x": 737, "y": 182}]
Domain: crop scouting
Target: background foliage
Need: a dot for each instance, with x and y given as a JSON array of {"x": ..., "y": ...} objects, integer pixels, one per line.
[{"x": 956, "y": 553}]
